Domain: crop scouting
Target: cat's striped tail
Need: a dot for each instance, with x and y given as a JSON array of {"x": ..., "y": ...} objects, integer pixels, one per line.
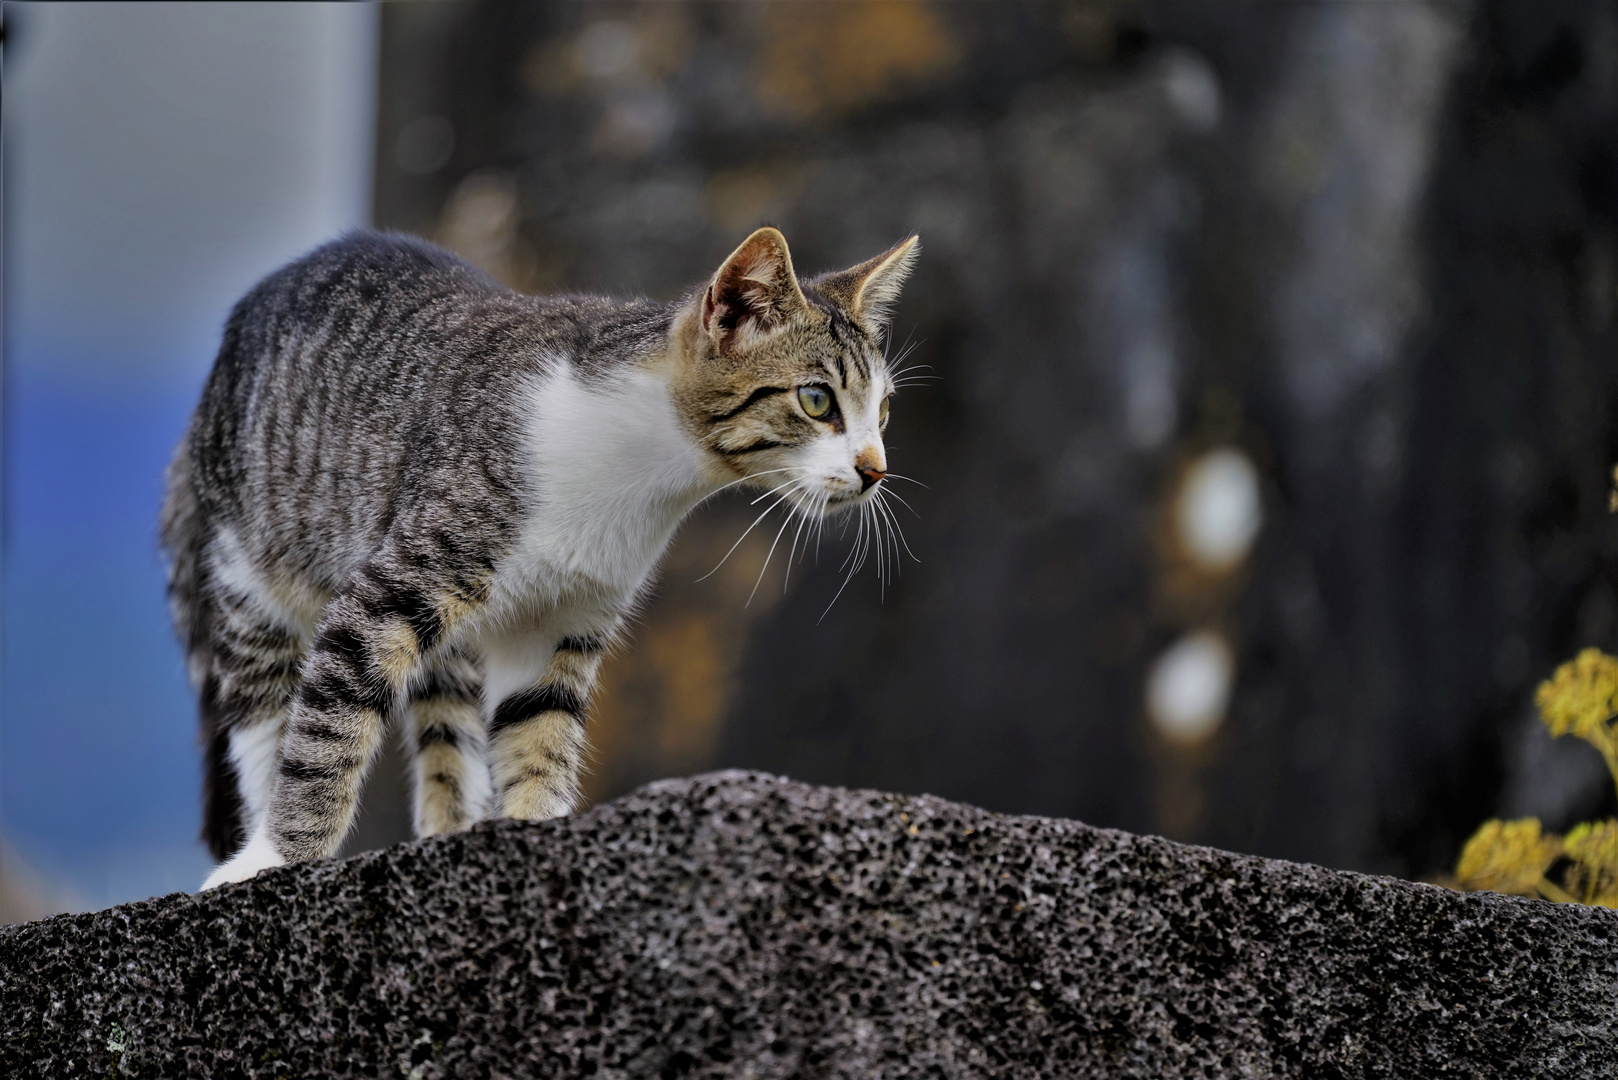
[{"x": 184, "y": 539}]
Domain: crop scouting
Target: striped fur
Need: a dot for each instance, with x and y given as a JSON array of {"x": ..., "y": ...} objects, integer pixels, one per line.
[
  {"x": 448, "y": 741},
  {"x": 538, "y": 734},
  {"x": 410, "y": 497}
]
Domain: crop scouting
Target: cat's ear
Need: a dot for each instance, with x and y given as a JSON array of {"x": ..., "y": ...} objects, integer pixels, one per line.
[
  {"x": 869, "y": 291},
  {"x": 754, "y": 292}
]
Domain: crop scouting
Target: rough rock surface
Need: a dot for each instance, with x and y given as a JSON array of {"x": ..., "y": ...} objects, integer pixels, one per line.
[{"x": 740, "y": 925}]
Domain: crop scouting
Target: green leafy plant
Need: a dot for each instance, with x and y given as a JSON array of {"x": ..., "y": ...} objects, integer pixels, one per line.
[{"x": 1518, "y": 857}]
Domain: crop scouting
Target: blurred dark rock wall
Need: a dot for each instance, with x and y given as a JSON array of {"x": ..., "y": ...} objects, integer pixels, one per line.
[{"x": 1371, "y": 251}]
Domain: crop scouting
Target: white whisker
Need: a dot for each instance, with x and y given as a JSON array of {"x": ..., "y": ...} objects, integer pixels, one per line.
[
  {"x": 808, "y": 520},
  {"x": 915, "y": 373},
  {"x": 881, "y": 509},
  {"x": 803, "y": 522},
  {"x": 904, "y": 350},
  {"x": 743, "y": 536},
  {"x": 878, "y": 537},
  {"x": 820, "y": 525},
  {"x": 745, "y": 479},
  {"x": 859, "y": 535},
  {"x": 883, "y": 569},
  {"x": 894, "y": 520},
  {"x": 902, "y": 501},
  {"x": 846, "y": 579},
  {"x": 792, "y": 553},
  {"x": 887, "y": 541},
  {"x": 773, "y": 490},
  {"x": 882, "y": 576},
  {"x": 867, "y": 535},
  {"x": 770, "y": 555}
]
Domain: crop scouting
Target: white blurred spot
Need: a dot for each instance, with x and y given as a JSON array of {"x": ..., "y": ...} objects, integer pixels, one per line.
[
  {"x": 1193, "y": 90},
  {"x": 1189, "y": 687},
  {"x": 479, "y": 223},
  {"x": 1149, "y": 405},
  {"x": 636, "y": 124},
  {"x": 607, "y": 50},
  {"x": 1218, "y": 511}
]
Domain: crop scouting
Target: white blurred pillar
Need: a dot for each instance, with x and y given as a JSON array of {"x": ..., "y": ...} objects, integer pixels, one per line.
[{"x": 162, "y": 157}]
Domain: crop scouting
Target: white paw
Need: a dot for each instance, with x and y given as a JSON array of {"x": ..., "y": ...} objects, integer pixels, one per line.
[{"x": 258, "y": 854}]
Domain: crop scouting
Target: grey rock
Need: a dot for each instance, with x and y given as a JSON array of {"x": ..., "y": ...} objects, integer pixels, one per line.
[{"x": 741, "y": 925}]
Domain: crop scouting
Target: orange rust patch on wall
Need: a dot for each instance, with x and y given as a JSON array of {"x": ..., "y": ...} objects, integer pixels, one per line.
[
  {"x": 695, "y": 678},
  {"x": 830, "y": 58}
]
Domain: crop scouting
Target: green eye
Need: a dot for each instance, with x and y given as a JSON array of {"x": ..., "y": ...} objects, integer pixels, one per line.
[
  {"x": 882, "y": 413},
  {"x": 816, "y": 400}
]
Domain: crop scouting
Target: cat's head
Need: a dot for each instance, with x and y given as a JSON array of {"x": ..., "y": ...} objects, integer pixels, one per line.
[{"x": 786, "y": 383}]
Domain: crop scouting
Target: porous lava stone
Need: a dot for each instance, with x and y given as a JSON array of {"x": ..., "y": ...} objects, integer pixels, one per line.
[{"x": 742, "y": 925}]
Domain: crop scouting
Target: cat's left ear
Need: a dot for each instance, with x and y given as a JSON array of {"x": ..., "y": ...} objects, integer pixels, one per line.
[
  {"x": 754, "y": 292},
  {"x": 869, "y": 291}
]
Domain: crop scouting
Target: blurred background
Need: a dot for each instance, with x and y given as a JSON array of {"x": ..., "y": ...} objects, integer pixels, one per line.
[{"x": 1267, "y": 459}]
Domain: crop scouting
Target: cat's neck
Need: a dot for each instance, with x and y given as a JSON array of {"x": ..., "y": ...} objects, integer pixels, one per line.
[{"x": 613, "y": 474}]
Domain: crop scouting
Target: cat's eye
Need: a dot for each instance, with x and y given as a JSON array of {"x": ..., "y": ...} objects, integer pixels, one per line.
[
  {"x": 882, "y": 413},
  {"x": 816, "y": 400}
]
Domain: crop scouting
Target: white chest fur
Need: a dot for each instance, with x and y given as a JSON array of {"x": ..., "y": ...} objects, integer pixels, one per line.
[{"x": 611, "y": 475}]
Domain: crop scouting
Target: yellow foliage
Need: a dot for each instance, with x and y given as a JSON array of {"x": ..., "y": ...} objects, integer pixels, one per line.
[
  {"x": 1508, "y": 857},
  {"x": 1593, "y": 847},
  {"x": 1581, "y": 697}
]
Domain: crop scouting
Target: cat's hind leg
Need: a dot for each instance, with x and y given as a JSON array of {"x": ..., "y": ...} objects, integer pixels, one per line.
[
  {"x": 447, "y": 740},
  {"x": 366, "y": 650},
  {"x": 250, "y": 674},
  {"x": 536, "y": 723}
]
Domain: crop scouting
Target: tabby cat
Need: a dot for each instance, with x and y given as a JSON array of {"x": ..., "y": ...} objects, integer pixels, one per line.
[{"x": 411, "y": 492}]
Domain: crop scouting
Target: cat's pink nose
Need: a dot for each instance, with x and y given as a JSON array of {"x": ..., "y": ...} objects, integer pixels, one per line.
[{"x": 868, "y": 475}]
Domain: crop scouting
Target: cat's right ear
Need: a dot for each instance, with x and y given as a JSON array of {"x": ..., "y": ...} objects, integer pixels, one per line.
[
  {"x": 754, "y": 292},
  {"x": 869, "y": 291}
]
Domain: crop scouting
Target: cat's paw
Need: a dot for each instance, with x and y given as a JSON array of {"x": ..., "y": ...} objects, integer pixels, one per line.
[{"x": 259, "y": 854}]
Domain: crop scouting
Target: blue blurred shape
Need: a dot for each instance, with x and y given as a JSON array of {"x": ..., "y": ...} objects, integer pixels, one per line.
[{"x": 159, "y": 158}]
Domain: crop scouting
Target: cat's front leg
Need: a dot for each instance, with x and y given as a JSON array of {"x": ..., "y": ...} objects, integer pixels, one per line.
[
  {"x": 537, "y": 721},
  {"x": 448, "y": 744}
]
